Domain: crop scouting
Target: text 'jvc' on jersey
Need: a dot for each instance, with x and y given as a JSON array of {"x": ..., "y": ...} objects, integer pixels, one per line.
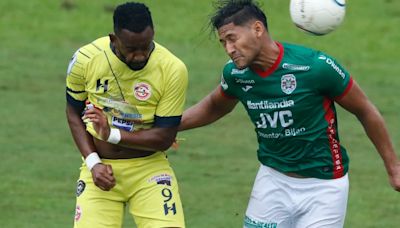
[{"x": 284, "y": 118}]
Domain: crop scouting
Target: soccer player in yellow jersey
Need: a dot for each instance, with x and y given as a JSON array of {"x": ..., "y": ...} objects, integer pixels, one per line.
[{"x": 125, "y": 97}]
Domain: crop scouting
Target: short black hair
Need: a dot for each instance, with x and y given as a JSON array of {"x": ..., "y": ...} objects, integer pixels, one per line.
[
  {"x": 237, "y": 12},
  {"x": 133, "y": 16}
]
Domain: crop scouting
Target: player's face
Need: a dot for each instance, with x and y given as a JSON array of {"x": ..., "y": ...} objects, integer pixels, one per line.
[
  {"x": 132, "y": 48},
  {"x": 240, "y": 43}
]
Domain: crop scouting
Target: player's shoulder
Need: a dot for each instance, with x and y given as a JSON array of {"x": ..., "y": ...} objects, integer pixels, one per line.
[
  {"x": 167, "y": 60},
  {"x": 318, "y": 62},
  {"x": 89, "y": 51},
  {"x": 230, "y": 70},
  {"x": 300, "y": 52},
  {"x": 165, "y": 54},
  {"x": 307, "y": 56},
  {"x": 85, "y": 54}
]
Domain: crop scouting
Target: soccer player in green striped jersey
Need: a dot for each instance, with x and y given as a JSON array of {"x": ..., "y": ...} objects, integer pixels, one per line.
[{"x": 289, "y": 93}]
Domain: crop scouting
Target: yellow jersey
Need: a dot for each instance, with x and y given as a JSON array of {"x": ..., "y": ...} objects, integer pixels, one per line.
[{"x": 132, "y": 100}]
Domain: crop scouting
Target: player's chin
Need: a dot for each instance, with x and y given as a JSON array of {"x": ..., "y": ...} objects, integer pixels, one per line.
[
  {"x": 240, "y": 64},
  {"x": 137, "y": 65}
]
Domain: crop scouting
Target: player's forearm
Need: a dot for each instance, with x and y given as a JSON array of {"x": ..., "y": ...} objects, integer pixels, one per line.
[
  {"x": 197, "y": 116},
  {"x": 83, "y": 140},
  {"x": 376, "y": 130},
  {"x": 158, "y": 139},
  {"x": 207, "y": 111}
]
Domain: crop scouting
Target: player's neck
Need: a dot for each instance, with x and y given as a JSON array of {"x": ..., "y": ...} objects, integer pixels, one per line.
[{"x": 267, "y": 57}]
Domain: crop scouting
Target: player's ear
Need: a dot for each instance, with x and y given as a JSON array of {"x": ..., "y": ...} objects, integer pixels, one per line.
[
  {"x": 258, "y": 28},
  {"x": 113, "y": 38}
]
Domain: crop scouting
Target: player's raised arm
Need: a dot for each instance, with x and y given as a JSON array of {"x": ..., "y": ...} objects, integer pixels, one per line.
[
  {"x": 211, "y": 108},
  {"x": 357, "y": 103}
]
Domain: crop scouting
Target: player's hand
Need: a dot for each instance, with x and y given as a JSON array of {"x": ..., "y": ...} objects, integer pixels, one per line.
[
  {"x": 103, "y": 176},
  {"x": 394, "y": 177},
  {"x": 99, "y": 120}
]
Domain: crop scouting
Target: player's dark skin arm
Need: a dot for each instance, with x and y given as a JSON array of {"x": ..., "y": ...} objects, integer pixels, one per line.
[
  {"x": 156, "y": 138},
  {"x": 357, "y": 103},
  {"x": 102, "y": 174},
  {"x": 210, "y": 109}
]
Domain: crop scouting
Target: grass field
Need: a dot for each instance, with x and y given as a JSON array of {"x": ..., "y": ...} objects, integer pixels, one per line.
[{"x": 216, "y": 165}]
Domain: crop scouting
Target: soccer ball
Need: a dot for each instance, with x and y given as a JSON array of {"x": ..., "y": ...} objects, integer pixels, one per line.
[{"x": 318, "y": 17}]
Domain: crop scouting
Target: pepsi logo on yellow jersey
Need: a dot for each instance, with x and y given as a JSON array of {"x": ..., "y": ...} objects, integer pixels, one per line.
[{"x": 132, "y": 100}]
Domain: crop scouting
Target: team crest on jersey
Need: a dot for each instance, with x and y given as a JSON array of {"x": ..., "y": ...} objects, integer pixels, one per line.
[
  {"x": 142, "y": 91},
  {"x": 288, "y": 83}
]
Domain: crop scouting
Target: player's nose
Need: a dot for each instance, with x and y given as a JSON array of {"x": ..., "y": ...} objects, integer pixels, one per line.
[{"x": 230, "y": 49}]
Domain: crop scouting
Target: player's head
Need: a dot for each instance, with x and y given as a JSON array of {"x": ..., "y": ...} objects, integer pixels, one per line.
[
  {"x": 133, "y": 34},
  {"x": 241, "y": 26}
]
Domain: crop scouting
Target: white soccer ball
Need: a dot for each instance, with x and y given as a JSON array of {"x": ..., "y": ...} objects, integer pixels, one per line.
[{"x": 318, "y": 17}]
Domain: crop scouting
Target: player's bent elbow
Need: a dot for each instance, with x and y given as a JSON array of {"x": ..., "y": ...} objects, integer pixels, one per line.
[
  {"x": 163, "y": 143},
  {"x": 163, "y": 146}
]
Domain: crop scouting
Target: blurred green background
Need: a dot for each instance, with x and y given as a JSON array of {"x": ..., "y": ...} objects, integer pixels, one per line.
[{"x": 216, "y": 165}]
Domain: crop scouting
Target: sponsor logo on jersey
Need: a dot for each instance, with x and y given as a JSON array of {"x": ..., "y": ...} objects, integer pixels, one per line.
[
  {"x": 122, "y": 123},
  {"x": 270, "y": 105},
  {"x": 290, "y": 132},
  {"x": 294, "y": 131},
  {"x": 103, "y": 85},
  {"x": 281, "y": 118},
  {"x": 272, "y": 135},
  {"x": 224, "y": 85},
  {"x": 80, "y": 188},
  {"x": 142, "y": 91},
  {"x": 135, "y": 117},
  {"x": 247, "y": 88},
  {"x": 163, "y": 179},
  {"x": 290, "y": 66},
  {"x": 288, "y": 83},
  {"x": 333, "y": 65},
  {"x": 237, "y": 71},
  {"x": 244, "y": 81}
]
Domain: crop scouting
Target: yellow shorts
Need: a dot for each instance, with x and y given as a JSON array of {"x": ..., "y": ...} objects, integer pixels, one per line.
[{"x": 146, "y": 185}]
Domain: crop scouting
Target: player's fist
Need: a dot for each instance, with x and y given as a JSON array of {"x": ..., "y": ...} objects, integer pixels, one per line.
[{"x": 103, "y": 176}]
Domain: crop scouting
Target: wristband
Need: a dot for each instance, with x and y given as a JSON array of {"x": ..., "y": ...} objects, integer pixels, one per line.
[
  {"x": 91, "y": 160},
  {"x": 115, "y": 136}
]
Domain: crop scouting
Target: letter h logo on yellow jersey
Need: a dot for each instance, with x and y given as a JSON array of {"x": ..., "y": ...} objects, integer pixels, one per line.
[{"x": 100, "y": 85}]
